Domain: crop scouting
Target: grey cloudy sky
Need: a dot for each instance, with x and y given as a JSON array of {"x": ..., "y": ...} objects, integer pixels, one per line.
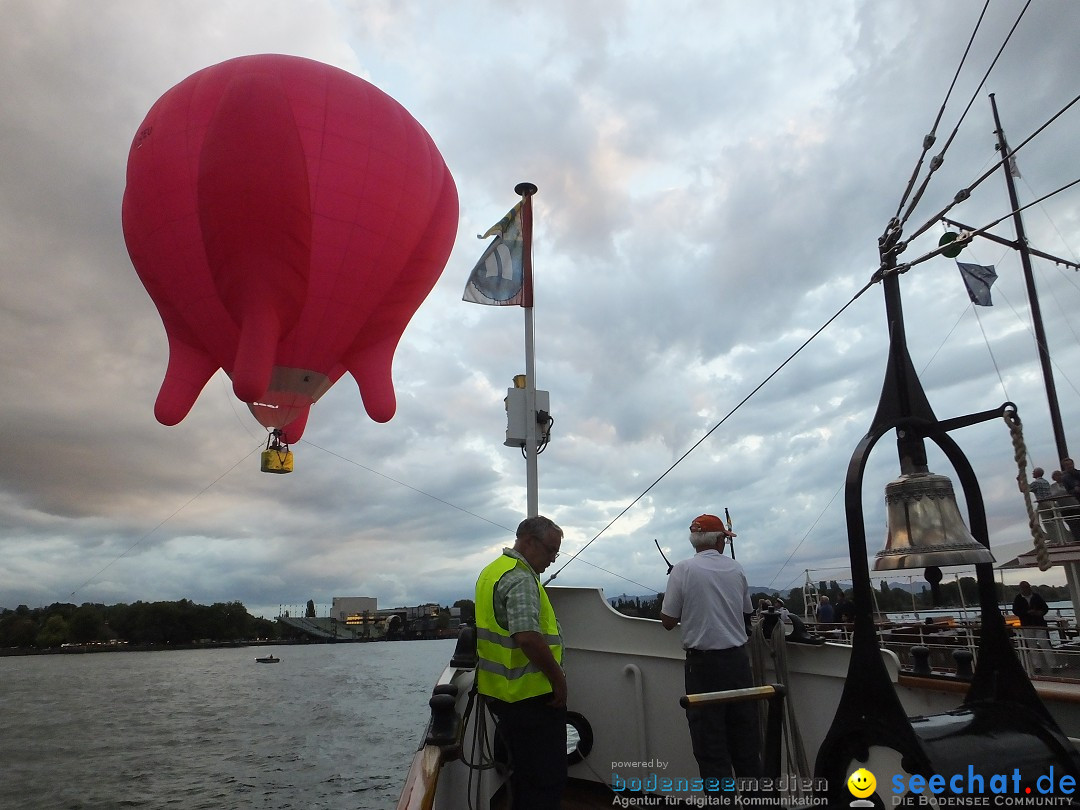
[{"x": 713, "y": 178}]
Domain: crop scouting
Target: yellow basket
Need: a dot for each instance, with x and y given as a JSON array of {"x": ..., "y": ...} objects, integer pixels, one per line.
[{"x": 277, "y": 461}]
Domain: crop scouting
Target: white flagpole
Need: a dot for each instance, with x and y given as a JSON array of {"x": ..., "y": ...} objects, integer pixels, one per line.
[
  {"x": 531, "y": 467},
  {"x": 526, "y": 190}
]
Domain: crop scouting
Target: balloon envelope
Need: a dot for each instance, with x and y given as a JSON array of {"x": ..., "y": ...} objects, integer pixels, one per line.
[{"x": 287, "y": 219}]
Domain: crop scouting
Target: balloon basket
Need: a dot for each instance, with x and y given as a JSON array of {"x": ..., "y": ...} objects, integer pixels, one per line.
[{"x": 277, "y": 457}]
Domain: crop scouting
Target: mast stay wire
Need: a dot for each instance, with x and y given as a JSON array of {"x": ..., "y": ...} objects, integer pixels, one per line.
[
  {"x": 899, "y": 247},
  {"x": 935, "y": 163},
  {"x": 964, "y": 193},
  {"x": 657, "y": 481},
  {"x": 806, "y": 536},
  {"x": 453, "y": 506},
  {"x": 1053, "y": 224},
  {"x": 840, "y": 488},
  {"x": 939, "y": 159},
  {"x": 165, "y": 520},
  {"x": 1062, "y": 372},
  {"x": 258, "y": 448},
  {"x": 877, "y": 277},
  {"x": 1067, "y": 319},
  {"x": 903, "y": 268},
  {"x": 931, "y": 137},
  {"x": 408, "y": 486},
  {"x": 986, "y": 341},
  {"x": 960, "y": 197},
  {"x": 711, "y": 430}
]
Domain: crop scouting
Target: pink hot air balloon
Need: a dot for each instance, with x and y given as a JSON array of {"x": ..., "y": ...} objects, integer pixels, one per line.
[{"x": 287, "y": 219}]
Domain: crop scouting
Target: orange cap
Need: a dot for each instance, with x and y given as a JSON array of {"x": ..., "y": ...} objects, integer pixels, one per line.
[{"x": 708, "y": 523}]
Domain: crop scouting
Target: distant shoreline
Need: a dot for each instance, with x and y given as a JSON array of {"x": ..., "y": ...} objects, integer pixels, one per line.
[{"x": 90, "y": 649}]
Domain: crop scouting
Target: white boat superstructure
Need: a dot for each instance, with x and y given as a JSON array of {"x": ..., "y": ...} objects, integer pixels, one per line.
[
  {"x": 982, "y": 732},
  {"x": 630, "y": 733}
]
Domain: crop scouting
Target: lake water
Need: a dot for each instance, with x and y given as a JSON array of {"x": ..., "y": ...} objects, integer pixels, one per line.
[
  {"x": 1058, "y": 610},
  {"x": 330, "y": 726}
]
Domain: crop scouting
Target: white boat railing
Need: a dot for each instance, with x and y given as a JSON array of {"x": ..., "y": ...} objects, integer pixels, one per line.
[
  {"x": 1056, "y": 653},
  {"x": 1060, "y": 518}
]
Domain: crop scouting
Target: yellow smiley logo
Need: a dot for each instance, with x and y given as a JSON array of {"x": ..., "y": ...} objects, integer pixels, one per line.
[{"x": 861, "y": 783}]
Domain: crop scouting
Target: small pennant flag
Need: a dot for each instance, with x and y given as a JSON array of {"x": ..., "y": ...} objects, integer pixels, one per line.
[
  {"x": 499, "y": 277},
  {"x": 978, "y": 279}
]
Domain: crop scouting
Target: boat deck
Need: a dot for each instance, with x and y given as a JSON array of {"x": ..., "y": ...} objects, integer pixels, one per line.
[
  {"x": 582, "y": 795},
  {"x": 579, "y": 795}
]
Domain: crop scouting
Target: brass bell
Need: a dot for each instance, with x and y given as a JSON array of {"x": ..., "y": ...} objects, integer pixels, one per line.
[{"x": 925, "y": 526}]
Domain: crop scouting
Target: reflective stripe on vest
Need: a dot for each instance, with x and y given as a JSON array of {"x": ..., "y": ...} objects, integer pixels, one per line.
[{"x": 503, "y": 669}]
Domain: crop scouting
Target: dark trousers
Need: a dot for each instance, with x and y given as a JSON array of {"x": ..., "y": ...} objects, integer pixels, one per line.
[
  {"x": 727, "y": 737},
  {"x": 534, "y": 734}
]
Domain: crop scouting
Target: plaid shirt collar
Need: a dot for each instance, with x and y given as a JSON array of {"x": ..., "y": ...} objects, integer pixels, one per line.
[{"x": 509, "y": 552}]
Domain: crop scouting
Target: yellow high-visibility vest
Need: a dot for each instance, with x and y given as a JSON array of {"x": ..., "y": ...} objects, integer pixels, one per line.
[{"x": 503, "y": 670}]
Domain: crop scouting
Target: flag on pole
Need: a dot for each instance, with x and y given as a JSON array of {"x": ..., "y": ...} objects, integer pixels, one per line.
[
  {"x": 978, "y": 279},
  {"x": 503, "y": 276}
]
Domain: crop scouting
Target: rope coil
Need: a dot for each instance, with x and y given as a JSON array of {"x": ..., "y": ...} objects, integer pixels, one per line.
[
  {"x": 1038, "y": 536},
  {"x": 794, "y": 746}
]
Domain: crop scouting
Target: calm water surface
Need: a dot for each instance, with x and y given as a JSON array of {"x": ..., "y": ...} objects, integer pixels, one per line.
[{"x": 330, "y": 726}]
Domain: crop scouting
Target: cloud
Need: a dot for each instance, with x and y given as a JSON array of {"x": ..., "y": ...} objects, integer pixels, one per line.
[{"x": 713, "y": 180}]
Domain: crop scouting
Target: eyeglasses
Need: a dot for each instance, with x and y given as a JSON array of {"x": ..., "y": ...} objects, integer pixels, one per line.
[{"x": 551, "y": 551}]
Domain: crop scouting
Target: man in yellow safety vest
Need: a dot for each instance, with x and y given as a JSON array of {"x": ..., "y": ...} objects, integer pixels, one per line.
[{"x": 519, "y": 645}]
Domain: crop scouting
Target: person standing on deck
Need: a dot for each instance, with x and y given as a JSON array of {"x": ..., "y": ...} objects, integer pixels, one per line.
[
  {"x": 1045, "y": 502},
  {"x": 1032, "y": 609},
  {"x": 1039, "y": 487},
  {"x": 1057, "y": 489},
  {"x": 519, "y": 645},
  {"x": 1069, "y": 481},
  {"x": 708, "y": 595},
  {"x": 843, "y": 610},
  {"x": 825, "y": 613},
  {"x": 1070, "y": 477}
]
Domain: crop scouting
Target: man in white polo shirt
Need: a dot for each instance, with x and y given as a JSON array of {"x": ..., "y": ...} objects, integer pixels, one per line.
[{"x": 708, "y": 595}]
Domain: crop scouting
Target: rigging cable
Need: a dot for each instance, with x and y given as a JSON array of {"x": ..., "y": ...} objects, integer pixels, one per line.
[
  {"x": 1066, "y": 318},
  {"x": 711, "y": 430},
  {"x": 1063, "y": 373},
  {"x": 175, "y": 512},
  {"x": 993, "y": 359},
  {"x": 1053, "y": 224},
  {"x": 968, "y": 235},
  {"x": 964, "y": 193},
  {"x": 407, "y": 486},
  {"x": 462, "y": 509},
  {"x": 986, "y": 341},
  {"x": 939, "y": 159},
  {"x": 902, "y": 268},
  {"x": 805, "y": 536},
  {"x": 935, "y": 163},
  {"x": 230, "y": 398},
  {"x": 931, "y": 138},
  {"x": 839, "y": 489}
]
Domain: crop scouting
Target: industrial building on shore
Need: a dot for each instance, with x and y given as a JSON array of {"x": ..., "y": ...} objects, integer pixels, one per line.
[{"x": 358, "y": 618}]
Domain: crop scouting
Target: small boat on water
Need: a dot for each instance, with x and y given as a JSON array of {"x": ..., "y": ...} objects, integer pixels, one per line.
[
  {"x": 972, "y": 729},
  {"x": 269, "y": 659}
]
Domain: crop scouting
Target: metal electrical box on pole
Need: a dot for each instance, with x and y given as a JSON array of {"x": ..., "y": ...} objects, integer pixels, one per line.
[{"x": 517, "y": 416}]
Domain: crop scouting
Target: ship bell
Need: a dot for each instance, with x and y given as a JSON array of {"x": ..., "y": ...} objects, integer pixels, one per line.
[{"x": 925, "y": 527}]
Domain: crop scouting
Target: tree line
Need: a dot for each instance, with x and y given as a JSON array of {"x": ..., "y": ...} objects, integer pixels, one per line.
[
  {"x": 956, "y": 594},
  {"x": 141, "y": 623},
  {"x": 185, "y": 622},
  {"x": 887, "y": 599}
]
